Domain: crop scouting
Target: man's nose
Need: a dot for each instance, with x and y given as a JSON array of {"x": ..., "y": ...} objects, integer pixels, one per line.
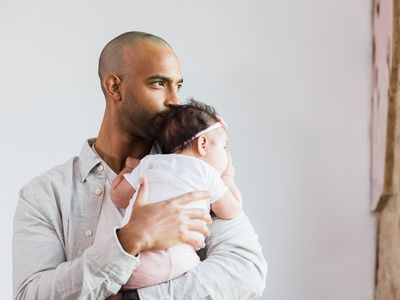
[{"x": 172, "y": 98}]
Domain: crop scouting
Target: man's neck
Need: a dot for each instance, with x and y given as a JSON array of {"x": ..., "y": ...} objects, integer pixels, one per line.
[{"x": 115, "y": 148}]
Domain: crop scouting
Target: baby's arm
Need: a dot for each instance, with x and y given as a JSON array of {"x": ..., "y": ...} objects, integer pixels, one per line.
[
  {"x": 230, "y": 204},
  {"x": 121, "y": 190},
  {"x": 230, "y": 183},
  {"x": 226, "y": 207}
]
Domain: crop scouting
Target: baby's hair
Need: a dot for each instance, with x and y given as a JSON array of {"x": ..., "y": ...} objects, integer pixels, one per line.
[{"x": 179, "y": 123}]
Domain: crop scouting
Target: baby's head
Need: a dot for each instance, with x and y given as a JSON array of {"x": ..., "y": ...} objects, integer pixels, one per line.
[{"x": 193, "y": 129}]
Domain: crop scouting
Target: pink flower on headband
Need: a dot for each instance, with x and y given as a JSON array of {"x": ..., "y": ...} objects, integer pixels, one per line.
[{"x": 221, "y": 121}]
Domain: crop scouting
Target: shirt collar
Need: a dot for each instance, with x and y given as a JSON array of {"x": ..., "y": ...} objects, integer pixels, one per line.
[
  {"x": 110, "y": 174},
  {"x": 87, "y": 159}
]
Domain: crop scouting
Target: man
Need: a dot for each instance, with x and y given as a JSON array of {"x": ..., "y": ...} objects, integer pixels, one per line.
[{"x": 65, "y": 245}]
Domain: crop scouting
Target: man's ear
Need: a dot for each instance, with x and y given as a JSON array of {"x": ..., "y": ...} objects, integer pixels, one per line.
[
  {"x": 112, "y": 86},
  {"x": 202, "y": 145}
]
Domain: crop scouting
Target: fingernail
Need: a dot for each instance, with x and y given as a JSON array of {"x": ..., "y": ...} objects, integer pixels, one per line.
[{"x": 141, "y": 180}]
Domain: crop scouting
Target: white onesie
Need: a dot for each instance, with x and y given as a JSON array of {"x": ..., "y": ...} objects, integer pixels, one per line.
[{"x": 169, "y": 176}]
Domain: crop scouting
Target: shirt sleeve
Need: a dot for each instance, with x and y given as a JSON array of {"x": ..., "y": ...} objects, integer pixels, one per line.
[
  {"x": 41, "y": 268},
  {"x": 216, "y": 186},
  {"x": 232, "y": 250}
]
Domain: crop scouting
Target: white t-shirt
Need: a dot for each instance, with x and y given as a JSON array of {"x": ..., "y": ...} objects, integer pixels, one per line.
[{"x": 172, "y": 175}]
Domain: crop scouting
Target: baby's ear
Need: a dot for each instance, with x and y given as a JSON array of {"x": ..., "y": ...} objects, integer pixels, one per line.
[{"x": 202, "y": 145}]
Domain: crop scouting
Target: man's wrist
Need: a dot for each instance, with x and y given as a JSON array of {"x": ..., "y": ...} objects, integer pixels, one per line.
[{"x": 129, "y": 243}]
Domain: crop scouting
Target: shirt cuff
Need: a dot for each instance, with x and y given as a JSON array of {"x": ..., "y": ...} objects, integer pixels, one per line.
[
  {"x": 122, "y": 264},
  {"x": 120, "y": 246}
]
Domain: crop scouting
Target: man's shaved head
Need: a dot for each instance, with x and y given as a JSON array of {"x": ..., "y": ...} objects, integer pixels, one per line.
[
  {"x": 140, "y": 76},
  {"x": 112, "y": 56}
]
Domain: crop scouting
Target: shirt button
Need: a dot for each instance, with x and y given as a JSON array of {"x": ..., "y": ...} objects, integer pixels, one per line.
[
  {"x": 88, "y": 233},
  {"x": 100, "y": 168},
  {"x": 97, "y": 191}
]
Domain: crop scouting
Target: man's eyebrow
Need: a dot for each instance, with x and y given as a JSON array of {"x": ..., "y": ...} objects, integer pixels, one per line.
[{"x": 164, "y": 78}]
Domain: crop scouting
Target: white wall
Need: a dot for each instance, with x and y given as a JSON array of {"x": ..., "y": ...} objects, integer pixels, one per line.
[{"x": 291, "y": 77}]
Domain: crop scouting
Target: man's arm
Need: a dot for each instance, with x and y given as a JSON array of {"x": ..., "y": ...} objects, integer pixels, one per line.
[
  {"x": 40, "y": 269},
  {"x": 234, "y": 268},
  {"x": 40, "y": 266}
]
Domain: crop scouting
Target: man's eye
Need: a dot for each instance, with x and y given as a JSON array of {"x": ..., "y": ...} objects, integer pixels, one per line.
[
  {"x": 159, "y": 83},
  {"x": 179, "y": 86}
]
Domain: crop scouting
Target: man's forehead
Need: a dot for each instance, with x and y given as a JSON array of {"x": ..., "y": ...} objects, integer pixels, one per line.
[{"x": 155, "y": 61}]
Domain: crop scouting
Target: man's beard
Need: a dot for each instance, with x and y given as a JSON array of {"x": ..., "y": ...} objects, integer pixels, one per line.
[{"x": 136, "y": 123}]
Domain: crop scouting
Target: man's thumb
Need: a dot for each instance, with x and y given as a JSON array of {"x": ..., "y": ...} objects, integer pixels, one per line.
[{"x": 142, "y": 194}]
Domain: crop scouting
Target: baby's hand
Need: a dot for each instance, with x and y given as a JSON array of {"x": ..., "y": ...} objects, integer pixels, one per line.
[
  {"x": 131, "y": 163},
  {"x": 121, "y": 190},
  {"x": 228, "y": 179},
  {"x": 230, "y": 170}
]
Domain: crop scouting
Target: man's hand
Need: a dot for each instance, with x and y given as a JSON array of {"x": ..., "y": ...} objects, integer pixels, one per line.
[{"x": 157, "y": 226}]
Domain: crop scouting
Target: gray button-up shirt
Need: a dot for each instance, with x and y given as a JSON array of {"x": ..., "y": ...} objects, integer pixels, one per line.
[{"x": 54, "y": 256}]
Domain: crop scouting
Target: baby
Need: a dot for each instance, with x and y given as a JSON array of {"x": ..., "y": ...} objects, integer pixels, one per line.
[{"x": 193, "y": 141}]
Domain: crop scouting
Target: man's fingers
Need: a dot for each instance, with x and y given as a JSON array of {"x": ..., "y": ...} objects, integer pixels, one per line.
[
  {"x": 199, "y": 227},
  {"x": 199, "y": 214},
  {"x": 195, "y": 243},
  {"x": 142, "y": 194},
  {"x": 192, "y": 196}
]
